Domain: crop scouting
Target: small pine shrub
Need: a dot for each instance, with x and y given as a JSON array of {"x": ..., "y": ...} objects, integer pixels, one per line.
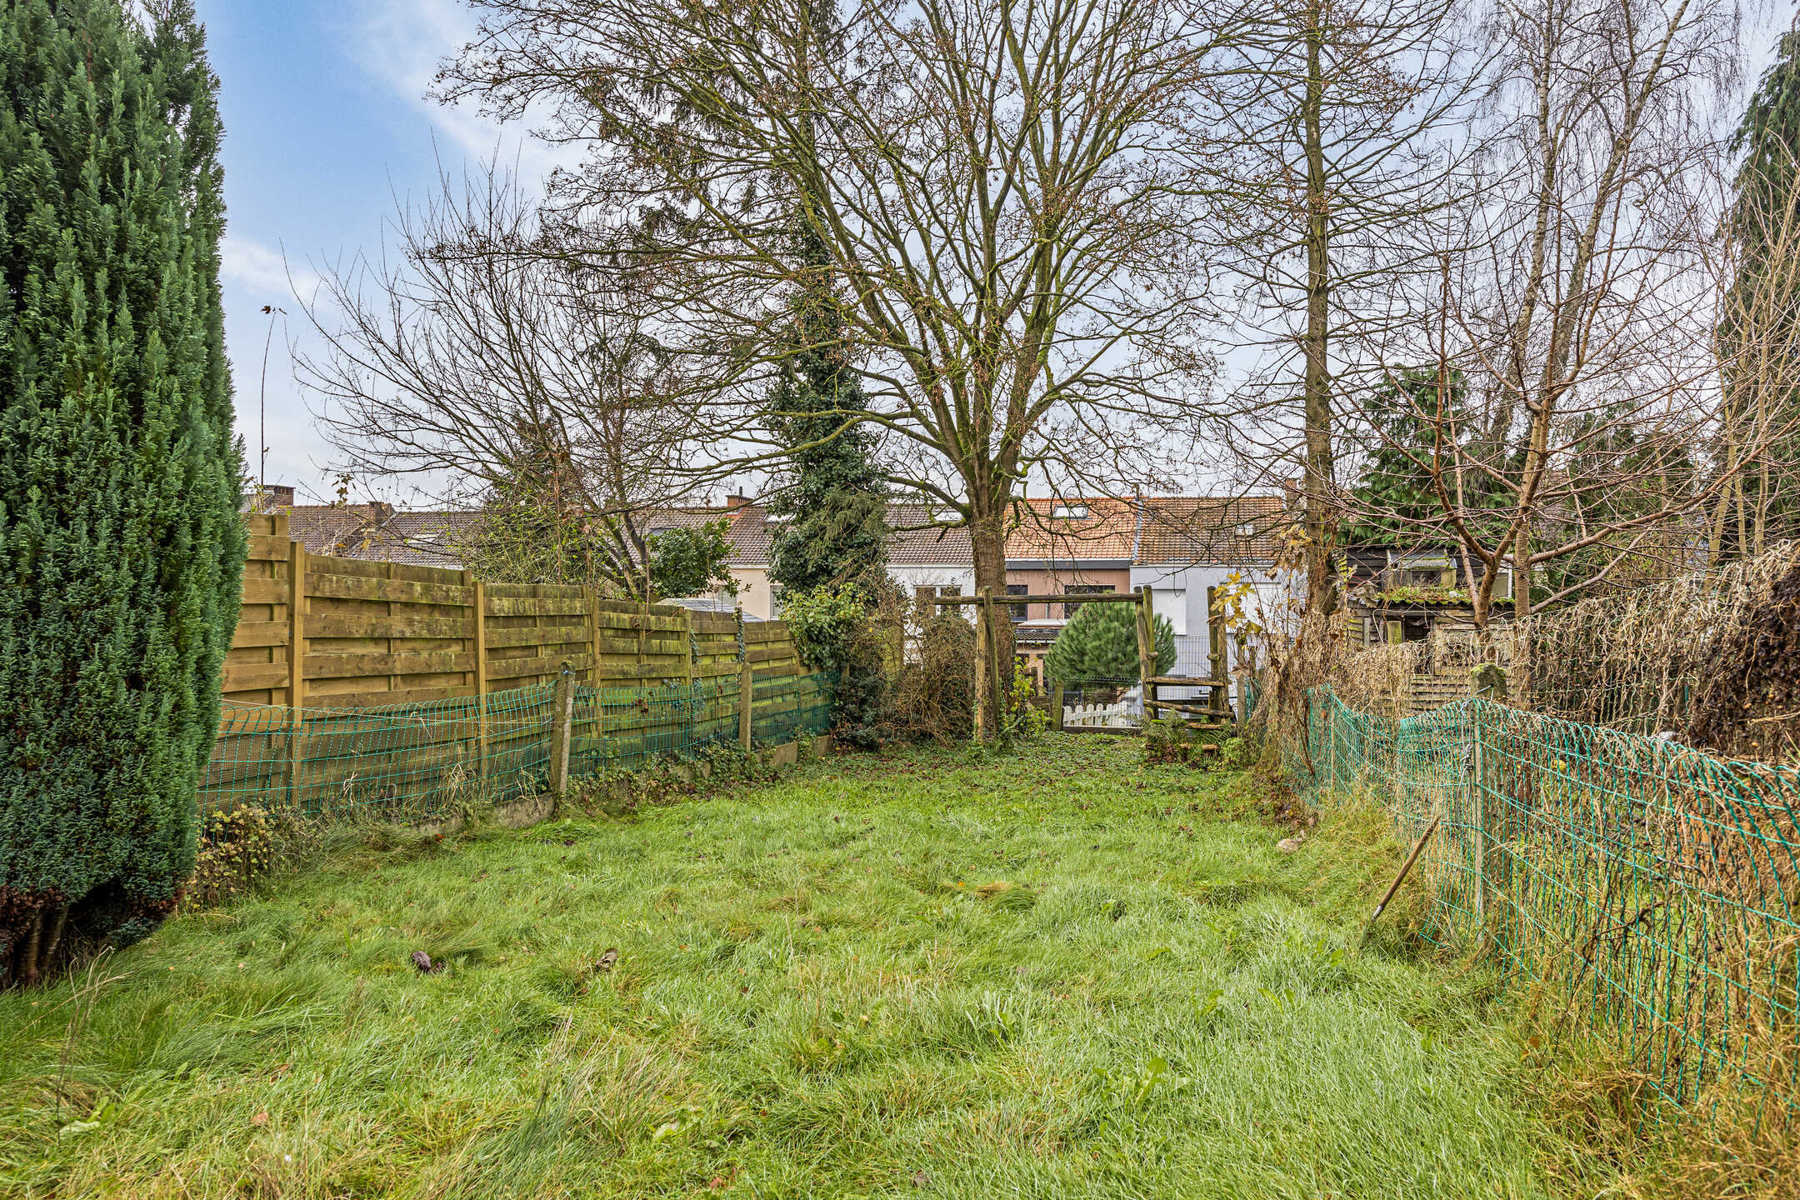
[{"x": 1098, "y": 647}]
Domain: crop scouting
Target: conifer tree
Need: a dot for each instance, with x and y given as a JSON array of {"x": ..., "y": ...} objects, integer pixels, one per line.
[
  {"x": 836, "y": 502},
  {"x": 1098, "y": 647},
  {"x": 1758, "y": 332},
  {"x": 121, "y": 546}
]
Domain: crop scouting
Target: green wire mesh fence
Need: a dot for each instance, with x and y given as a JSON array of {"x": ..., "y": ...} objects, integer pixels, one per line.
[
  {"x": 1650, "y": 884},
  {"x": 414, "y": 762}
]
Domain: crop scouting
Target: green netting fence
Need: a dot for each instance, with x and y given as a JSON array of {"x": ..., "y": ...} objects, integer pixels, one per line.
[
  {"x": 1651, "y": 885},
  {"x": 419, "y": 762}
]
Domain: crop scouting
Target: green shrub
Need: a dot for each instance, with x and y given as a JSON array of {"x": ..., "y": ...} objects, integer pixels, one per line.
[
  {"x": 1099, "y": 646},
  {"x": 121, "y": 547},
  {"x": 241, "y": 846},
  {"x": 835, "y": 630}
]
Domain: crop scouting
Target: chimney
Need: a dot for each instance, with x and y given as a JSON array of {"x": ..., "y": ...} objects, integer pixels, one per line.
[
  {"x": 381, "y": 511},
  {"x": 276, "y": 496},
  {"x": 733, "y": 502}
]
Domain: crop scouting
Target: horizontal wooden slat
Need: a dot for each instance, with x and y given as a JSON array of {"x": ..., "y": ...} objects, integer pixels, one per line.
[
  {"x": 265, "y": 591},
  {"x": 349, "y": 587},
  {"x": 377, "y": 625},
  {"x": 537, "y": 635},
  {"x": 241, "y": 677},
  {"x": 532, "y": 606},
  {"x": 267, "y": 548},
  {"x": 400, "y": 662},
  {"x": 260, "y": 633}
]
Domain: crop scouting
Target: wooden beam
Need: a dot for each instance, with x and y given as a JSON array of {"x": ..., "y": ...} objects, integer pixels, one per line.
[
  {"x": 1049, "y": 598},
  {"x": 746, "y": 691},
  {"x": 480, "y": 602},
  {"x": 296, "y": 650},
  {"x": 1146, "y": 640}
]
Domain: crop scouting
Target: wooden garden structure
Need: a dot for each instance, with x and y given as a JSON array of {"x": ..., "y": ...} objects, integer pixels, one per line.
[{"x": 1213, "y": 715}]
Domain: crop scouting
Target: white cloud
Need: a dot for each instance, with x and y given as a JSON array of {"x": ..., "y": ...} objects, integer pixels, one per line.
[
  {"x": 264, "y": 273},
  {"x": 403, "y": 42}
]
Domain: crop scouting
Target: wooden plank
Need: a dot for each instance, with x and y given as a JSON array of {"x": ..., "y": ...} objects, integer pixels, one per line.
[
  {"x": 247, "y": 677},
  {"x": 1048, "y": 598},
  {"x": 332, "y": 585},
  {"x": 518, "y": 668},
  {"x": 259, "y": 633},
  {"x": 537, "y": 635},
  {"x": 340, "y": 624},
  {"x": 392, "y": 662},
  {"x": 378, "y": 698},
  {"x": 264, "y": 547},
  {"x": 265, "y": 590}
]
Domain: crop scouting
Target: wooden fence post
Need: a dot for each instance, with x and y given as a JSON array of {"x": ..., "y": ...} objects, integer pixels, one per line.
[
  {"x": 296, "y": 649},
  {"x": 481, "y": 685},
  {"x": 590, "y": 598},
  {"x": 746, "y": 689},
  {"x": 1056, "y": 706},
  {"x": 1146, "y": 640},
  {"x": 687, "y": 660},
  {"x": 1215, "y": 656},
  {"x": 1487, "y": 681},
  {"x": 562, "y": 719}
]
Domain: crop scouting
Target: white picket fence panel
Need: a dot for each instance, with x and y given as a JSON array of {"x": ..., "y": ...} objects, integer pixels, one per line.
[{"x": 1098, "y": 716}]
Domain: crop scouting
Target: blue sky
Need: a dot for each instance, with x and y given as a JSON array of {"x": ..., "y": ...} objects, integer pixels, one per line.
[{"x": 326, "y": 126}]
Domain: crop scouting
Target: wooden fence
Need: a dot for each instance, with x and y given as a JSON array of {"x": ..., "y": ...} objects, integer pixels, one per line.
[{"x": 320, "y": 632}]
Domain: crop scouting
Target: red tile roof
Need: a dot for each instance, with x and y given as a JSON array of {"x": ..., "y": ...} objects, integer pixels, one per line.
[
  {"x": 1211, "y": 529},
  {"x": 1105, "y": 530}
]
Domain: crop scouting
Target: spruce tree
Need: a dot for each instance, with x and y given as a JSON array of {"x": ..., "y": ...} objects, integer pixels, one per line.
[
  {"x": 1098, "y": 647},
  {"x": 835, "y": 504},
  {"x": 1763, "y": 307},
  {"x": 121, "y": 546}
]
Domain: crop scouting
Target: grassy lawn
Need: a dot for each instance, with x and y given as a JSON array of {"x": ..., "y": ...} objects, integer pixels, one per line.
[{"x": 815, "y": 995}]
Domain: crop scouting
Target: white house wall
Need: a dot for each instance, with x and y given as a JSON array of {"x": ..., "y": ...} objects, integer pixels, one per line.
[
  {"x": 1178, "y": 591},
  {"x": 912, "y": 578}
]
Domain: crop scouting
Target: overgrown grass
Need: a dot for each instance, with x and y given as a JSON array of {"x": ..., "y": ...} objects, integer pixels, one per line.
[{"x": 926, "y": 974}]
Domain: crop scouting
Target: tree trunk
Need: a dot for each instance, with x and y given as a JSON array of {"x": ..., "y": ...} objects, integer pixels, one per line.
[
  {"x": 987, "y": 537},
  {"x": 1320, "y": 578}
]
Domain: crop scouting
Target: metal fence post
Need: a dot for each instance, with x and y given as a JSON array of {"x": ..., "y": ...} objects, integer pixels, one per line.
[{"x": 1478, "y": 794}]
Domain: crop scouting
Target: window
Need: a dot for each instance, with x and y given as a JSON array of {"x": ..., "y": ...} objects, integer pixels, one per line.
[
  {"x": 1018, "y": 611},
  {"x": 1246, "y": 529},
  {"x": 1069, "y": 512},
  {"x": 660, "y": 530},
  {"x": 1080, "y": 589}
]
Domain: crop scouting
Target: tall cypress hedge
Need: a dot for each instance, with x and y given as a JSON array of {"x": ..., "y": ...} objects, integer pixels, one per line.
[{"x": 120, "y": 541}]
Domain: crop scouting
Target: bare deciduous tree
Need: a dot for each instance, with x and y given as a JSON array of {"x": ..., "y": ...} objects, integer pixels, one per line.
[
  {"x": 487, "y": 360},
  {"x": 1579, "y": 332},
  {"x": 1008, "y": 194},
  {"x": 1347, "y": 126}
]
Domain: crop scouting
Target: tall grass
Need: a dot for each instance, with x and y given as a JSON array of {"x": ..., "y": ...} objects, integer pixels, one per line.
[{"x": 926, "y": 974}]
